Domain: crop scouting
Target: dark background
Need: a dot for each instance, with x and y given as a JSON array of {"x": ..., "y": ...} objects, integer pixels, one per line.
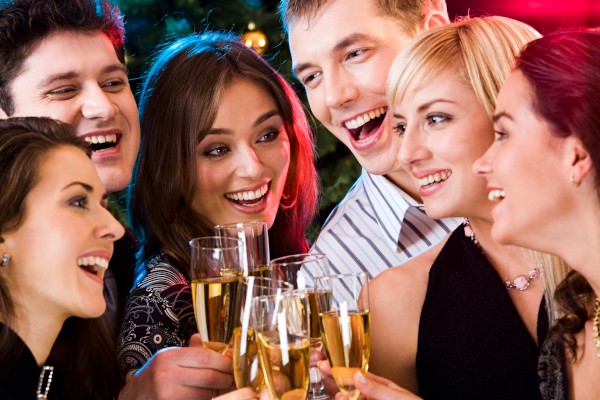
[{"x": 148, "y": 22}]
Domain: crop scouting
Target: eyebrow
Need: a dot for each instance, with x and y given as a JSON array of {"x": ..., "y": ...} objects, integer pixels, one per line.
[
  {"x": 496, "y": 117},
  {"x": 62, "y": 76},
  {"x": 342, "y": 44},
  {"x": 259, "y": 120},
  {"x": 427, "y": 105}
]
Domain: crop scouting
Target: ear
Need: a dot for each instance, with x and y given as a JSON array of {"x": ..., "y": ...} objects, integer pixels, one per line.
[
  {"x": 580, "y": 159},
  {"x": 434, "y": 18}
]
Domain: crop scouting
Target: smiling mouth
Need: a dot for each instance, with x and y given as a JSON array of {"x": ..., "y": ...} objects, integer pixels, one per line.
[
  {"x": 250, "y": 197},
  {"x": 363, "y": 126},
  {"x": 93, "y": 265},
  {"x": 103, "y": 142},
  {"x": 434, "y": 178}
]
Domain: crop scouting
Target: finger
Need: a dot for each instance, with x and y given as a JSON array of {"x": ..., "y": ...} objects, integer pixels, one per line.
[
  {"x": 240, "y": 394},
  {"x": 199, "y": 357},
  {"x": 195, "y": 340},
  {"x": 381, "y": 388}
]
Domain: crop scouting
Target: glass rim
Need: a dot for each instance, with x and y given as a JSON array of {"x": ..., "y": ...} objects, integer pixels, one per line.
[
  {"x": 286, "y": 285},
  {"x": 235, "y": 224},
  {"x": 196, "y": 242},
  {"x": 300, "y": 258}
]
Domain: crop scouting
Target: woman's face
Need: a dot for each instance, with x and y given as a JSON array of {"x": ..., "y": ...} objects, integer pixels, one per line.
[
  {"x": 242, "y": 163},
  {"x": 443, "y": 129},
  {"x": 61, "y": 250},
  {"x": 527, "y": 169}
]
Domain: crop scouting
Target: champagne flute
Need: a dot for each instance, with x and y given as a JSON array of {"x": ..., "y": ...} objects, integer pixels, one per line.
[
  {"x": 345, "y": 325},
  {"x": 247, "y": 371},
  {"x": 281, "y": 323},
  {"x": 300, "y": 270},
  {"x": 215, "y": 269},
  {"x": 255, "y": 237}
]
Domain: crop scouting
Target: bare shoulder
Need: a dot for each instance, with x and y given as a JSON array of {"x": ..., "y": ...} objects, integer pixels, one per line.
[{"x": 396, "y": 299}]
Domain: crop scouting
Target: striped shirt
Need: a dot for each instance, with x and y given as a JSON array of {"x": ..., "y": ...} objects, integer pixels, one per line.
[{"x": 377, "y": 226}]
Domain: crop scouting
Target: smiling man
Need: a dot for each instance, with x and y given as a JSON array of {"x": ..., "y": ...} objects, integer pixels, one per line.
[{"x": 341, "y": 52}]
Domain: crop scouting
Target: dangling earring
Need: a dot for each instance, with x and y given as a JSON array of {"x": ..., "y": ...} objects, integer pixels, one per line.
[
  {"x": 5, "y": 260},
  {"x": 574, "y": 182}
]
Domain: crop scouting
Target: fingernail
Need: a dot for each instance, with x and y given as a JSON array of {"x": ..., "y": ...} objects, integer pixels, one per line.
[{"x": 360, "y": 377}]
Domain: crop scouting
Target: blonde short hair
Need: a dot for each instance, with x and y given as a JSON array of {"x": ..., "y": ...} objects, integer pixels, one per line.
[{"x": 481, "y": 49}]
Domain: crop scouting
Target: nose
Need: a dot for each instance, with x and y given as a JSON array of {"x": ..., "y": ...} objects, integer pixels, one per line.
[
  {"x": 340, "y": 88},
  {"x": 413, "y": 146},
  {"x": 97, "y": 104},
  {"x": 250, "y": 164},
  {"x": 108, "y": 227},
  {"x": 483, "y": 166}
]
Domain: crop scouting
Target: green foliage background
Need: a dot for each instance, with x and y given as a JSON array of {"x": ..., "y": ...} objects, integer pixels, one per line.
[{"x": 150, "y": 22}]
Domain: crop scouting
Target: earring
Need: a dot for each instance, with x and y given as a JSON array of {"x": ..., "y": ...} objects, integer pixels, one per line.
[
  {"x": 574, "y": 182},
  {"x": 5, "y": 260}
]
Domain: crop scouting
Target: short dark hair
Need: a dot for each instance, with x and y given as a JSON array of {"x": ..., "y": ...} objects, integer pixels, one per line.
[{"x": 25, "y": 23}]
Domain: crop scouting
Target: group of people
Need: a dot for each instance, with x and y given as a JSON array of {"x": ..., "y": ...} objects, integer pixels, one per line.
[{"x": 478, "y": 142}]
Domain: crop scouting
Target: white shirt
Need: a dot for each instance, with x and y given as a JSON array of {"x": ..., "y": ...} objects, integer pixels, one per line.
[{"x": 377, "y": 226}]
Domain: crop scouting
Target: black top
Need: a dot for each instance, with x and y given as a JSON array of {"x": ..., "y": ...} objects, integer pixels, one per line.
[
  {"x": 552, "y": 370},
  {"x": 19, "y": 372},
  {"x": 472, "y": 343},
  {"x": 118, "y": 282}
]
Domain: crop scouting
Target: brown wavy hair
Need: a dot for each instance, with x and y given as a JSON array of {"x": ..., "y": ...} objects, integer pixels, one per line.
[{"x": 178, "y": 105}]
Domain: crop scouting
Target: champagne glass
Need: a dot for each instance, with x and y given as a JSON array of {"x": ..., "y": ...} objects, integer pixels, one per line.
[
  {"x": 246, "y": 364},
  {"x": 300, "y": 270},
  {"x": 255, "y": 237},
  {"x": 345, "y": 326},
  {"x": 281, "y": 323},
  {"x": 215, "y": 269}
]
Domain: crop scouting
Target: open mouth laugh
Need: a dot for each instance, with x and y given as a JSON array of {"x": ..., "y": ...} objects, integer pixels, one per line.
[{"x": 363, "y": 126}]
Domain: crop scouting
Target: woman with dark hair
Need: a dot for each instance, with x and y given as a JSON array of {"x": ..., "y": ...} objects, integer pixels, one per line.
[
  {"x": 56, "y": 238},
  {"x": 543, "y": 177},
  {"x": 225, "y": 139}
]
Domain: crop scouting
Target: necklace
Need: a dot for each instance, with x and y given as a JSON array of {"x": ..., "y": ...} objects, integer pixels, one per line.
[
  {"x": 596, "y": 329},
  {"x": 521, "y": 282},
  {"x": 45, "y": 377}
]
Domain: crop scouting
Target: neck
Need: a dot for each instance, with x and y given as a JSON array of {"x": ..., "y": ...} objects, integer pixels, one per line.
[
  {"x": 402, "y": 179},
  {"x": 39, "y": 332}
]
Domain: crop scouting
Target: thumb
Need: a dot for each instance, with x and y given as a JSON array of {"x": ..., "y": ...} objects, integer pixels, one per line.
[{"x": 379, "y": 388}]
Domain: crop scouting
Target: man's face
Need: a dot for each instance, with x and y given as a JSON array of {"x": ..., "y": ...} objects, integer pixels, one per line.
[
  {"x": 342, "y": 57},
  {"x": 77, "y": 78}
]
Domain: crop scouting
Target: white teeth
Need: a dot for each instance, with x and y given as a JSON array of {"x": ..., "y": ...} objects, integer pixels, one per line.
[
  {"x": 434, "y": 178},
  {"x": 366, "y": 117},
  {"x": 102, "y": 139},
  {"x": 249, "y": 195},
  {"x": 100, "y": 262},
  {"x": 496, "y": 195}
]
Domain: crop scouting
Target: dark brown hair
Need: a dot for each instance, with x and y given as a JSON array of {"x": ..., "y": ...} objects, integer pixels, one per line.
[
  {"x": 563, "y": 69},
  {"x": 178, "y": 105},
  {"x": 25, "y": 23},
  {"x": 93, "y": 373}
]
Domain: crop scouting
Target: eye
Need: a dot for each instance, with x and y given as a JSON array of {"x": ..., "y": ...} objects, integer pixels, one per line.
[
  {"x": 79, "y": 202},
  {"x": 62, "y": 93},
  {"x": 114, "y": 85},
  {"x": 500, "y": 136},
  {"x": 216, "y": 151},
  {"x": 400, "y": 128},
  {"x": 355, "y": 53},
  {"x": 435, "y": 119},
  {"x": 269, "y": 136},
  {"x": 309, "y": 80}
]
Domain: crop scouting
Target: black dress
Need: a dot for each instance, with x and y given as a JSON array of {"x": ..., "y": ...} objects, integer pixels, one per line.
[
  {"x": 472, "y": 343},
  {"x": 19, "y": 372}
]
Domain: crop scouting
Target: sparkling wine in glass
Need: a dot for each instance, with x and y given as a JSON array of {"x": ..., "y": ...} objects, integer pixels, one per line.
[
  {"x": 282, "y": 328},
  {"x": 247, "y": 370},
  {"x": 301, "y": 270},
  {"x": 255, "y": 250},
  {"x": 215, "y": 269},
  {"x": 345, "y": 326}
]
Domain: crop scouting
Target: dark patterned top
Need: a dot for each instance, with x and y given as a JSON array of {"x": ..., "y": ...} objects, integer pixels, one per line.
[
  {"x": 472, "y": 343},
  {"x": 159, "y": 313},
  {"x": 552, "y": 370}
]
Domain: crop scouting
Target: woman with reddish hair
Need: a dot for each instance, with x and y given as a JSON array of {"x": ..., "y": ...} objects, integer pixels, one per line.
[{"x": 225, "y": 139}]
